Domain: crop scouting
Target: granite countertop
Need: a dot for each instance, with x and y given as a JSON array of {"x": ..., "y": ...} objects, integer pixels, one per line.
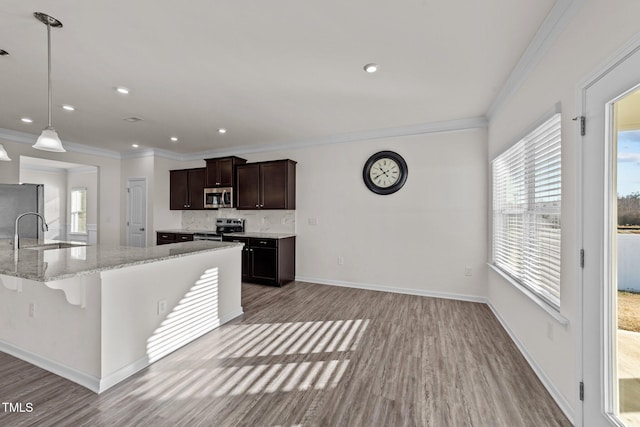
[
  {"x": 259, "y": 235},
  {"x": 183, "y": 231},
  {"x": 255, "y": 234},
  {"x": 55, "y": 264}
]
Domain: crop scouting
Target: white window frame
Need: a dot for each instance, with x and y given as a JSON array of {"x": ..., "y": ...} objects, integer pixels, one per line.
[
  {"x": 74, "y": 213},
  {"x": 526, "y": 208}
]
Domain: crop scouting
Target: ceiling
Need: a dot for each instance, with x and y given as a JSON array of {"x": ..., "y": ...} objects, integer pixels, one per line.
[{"x": 272, "y": 73}]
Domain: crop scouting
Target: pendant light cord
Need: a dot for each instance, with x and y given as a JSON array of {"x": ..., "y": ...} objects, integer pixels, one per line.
[{"x": 49, "y": 68}]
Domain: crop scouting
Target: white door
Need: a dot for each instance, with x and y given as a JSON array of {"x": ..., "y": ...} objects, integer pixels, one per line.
[
  {"x": 598, "y": 234},
  {"x": 137, "y": 212}
]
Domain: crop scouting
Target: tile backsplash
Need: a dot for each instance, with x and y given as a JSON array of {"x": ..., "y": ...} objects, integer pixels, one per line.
[{"x": 267, "y": 221}]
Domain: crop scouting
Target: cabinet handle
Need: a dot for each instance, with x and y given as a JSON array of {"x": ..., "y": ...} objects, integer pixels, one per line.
[
  {"x": 261, "y": 206},
  {"x": 257, "y": 206}
]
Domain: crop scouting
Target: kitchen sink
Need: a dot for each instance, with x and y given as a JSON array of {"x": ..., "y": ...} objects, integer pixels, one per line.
[{"x": 58, "y": 245}]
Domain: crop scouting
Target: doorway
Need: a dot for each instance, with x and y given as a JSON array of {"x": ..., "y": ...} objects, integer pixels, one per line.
[
  {"x": 626, "y": 132},
  {"x": 60, "y": 180},
  {"x": 609, "y": 355},
  {"x": 137, "y": 212}
]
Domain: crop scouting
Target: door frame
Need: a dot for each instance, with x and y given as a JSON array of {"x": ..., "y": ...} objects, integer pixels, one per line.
[
  {"x": 612, "y": 63},
  {"x": 128, "y": 209}
]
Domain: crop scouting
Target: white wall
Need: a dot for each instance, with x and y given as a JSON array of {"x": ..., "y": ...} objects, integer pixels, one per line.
[
  {"x": 156, "y": 171},
  {"x": 595, "y": 32},
  {"x": 419, "y": 239},
  {"x": 108, "y": 182}
]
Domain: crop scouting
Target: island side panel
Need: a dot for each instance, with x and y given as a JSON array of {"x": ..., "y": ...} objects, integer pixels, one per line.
[
  {"x": 151, "y": 309},
  {"x": 56, "y": 335}
]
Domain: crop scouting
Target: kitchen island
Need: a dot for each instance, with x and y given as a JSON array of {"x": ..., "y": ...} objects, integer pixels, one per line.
[{"x": 97, "y": 314}]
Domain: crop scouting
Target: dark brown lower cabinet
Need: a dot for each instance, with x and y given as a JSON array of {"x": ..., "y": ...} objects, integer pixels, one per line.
[
  {"x": 267, "y": 261},
  {"x": 164, "y": 238}
]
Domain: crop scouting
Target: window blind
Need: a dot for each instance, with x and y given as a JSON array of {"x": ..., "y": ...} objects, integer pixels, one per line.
[{"x": 526, "y": 211}]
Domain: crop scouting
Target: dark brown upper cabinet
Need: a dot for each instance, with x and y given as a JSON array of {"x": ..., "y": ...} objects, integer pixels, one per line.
[
  {"x": 266, "y": 185},
  {"x": 221, "y": 171},
  {"x": 186, "y": 189}
]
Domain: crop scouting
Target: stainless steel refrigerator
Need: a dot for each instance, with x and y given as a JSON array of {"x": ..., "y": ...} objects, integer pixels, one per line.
[{"x": 16, "y": 199}]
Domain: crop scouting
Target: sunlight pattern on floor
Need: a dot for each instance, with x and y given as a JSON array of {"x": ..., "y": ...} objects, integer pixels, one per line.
[
  {"x": 291, "y": 338},
  {"x": 297, "y": 356}
]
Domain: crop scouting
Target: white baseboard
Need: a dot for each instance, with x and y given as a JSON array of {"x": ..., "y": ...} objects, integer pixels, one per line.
[
  {"x": 381, "y": 288},
  {"x": 89, "y": 381},
  {"x": 126, "y": 371},
  {"x": 562, "y": 402},
  {"x": 95, "y": 384},
  {"x": 231, "y": 315},
  {"x": 122, "y": 374},
  {"x": 559, "y": 398}
]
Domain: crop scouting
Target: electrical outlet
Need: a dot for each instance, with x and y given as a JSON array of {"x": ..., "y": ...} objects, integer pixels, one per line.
[
  {"x": 162, "y": 306},
  {"x": 312, "y": 221},
  {"x": 32, "y": 309},
  {"x": 340, "y": 260},
  {"x": 468, "y": 271}
]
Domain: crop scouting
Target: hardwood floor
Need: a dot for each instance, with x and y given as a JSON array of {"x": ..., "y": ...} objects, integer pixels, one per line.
[{"x": 312, "y": 355}]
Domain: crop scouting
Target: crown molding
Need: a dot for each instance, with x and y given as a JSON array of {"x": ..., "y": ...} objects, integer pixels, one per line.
[
  {"x": 152, "y": 152},
  {"x": 94, "y": 151},
  {"x": 27, "y": 138},
  {"x": 82, "y": 170},
  {"x": 417, "y": 129},
  {"x": 43, "y": 168},
  {"x": 553, "y": 25}
]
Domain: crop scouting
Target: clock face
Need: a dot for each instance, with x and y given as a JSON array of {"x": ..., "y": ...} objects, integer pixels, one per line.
[{"x": 385, "y": 172}]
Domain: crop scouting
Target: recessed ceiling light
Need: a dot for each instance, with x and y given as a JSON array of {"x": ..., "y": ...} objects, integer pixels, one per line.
[
  {"x": 222, "y": 130},
  {"x": 122, "y": 90},
  {"x": 174, "y": 138},
  {"x": 135, "y": 145},
  {"x": 26, "y": 120},
  {"x": 371, "y": 68},
  {"x": 68, "y": 107},
  {"x": 133, "y": 119}
]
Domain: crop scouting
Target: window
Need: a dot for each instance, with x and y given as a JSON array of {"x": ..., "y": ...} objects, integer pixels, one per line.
[
  {"x": 79, "y": 210},
  {"x": 526, "y": 211}
]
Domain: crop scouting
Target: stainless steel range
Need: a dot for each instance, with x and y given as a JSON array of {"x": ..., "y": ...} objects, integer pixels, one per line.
[{"x": 223, "y": 225}]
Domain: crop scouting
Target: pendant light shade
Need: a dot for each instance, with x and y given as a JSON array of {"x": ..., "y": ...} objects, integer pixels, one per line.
[
  {"x": 3, "y": 154},
  {"x": 49, "y": 139}
]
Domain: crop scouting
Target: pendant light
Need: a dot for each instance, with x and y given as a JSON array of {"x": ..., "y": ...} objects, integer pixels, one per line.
[
  {"x": 49, "y": 139},
  {"x": 3, "y": 154}
]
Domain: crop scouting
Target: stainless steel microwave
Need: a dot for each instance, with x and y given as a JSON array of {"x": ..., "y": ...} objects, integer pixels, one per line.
[{"x": 215, "y": 198}]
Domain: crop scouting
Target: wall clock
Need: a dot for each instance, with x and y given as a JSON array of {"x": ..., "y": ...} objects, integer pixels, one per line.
[{"x": 385, "y": 172}]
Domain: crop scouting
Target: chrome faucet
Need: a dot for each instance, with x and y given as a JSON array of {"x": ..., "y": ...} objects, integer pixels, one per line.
[{"x": 16, "y": 240}]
